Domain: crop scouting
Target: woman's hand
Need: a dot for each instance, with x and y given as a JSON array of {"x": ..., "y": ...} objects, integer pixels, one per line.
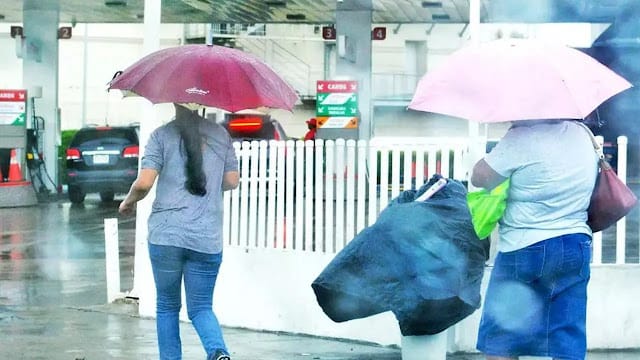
[{"x": 126, "y": 208}]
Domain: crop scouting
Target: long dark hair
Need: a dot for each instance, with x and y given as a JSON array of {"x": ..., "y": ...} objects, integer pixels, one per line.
[{"x": 188, "y": 123}]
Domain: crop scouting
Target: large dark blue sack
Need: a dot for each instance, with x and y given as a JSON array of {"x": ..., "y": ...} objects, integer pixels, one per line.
[{"x": 420, "y": 260}]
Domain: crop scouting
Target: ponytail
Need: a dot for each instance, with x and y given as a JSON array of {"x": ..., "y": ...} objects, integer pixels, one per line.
[{"x": 188, "y": 123}]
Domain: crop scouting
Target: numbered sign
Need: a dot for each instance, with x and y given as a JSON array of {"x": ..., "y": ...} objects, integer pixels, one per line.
[
  {"x": 328, "y": 33},
  {"x": 64, "y": 32},
  {"x": 379, "y": 33},
  {"x": 17, "y": 31}
]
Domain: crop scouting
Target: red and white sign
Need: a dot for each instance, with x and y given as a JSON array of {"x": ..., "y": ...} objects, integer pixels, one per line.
[
  {"x": 13, "y": 107},
  {"x": 13, "y": 95},
  {"x": 336, "y": 86}
]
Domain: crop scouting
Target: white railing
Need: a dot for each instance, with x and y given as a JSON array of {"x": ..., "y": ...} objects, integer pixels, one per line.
[
  {"x": 307, "y": 196},
  {"x": 315, "y": 197}
]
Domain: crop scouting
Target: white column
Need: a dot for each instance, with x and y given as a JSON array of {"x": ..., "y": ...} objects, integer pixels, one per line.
[
  {"x": 143, "y": 287},
  {"x": 85, "y": 63},
  {"x": 40, "y": 71},
  {"x": 474, "y": 21},
  {"x": 476, "y": 143}
]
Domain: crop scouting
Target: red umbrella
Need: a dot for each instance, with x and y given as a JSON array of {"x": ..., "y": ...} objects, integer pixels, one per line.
[{"x": 208, "y": 75}]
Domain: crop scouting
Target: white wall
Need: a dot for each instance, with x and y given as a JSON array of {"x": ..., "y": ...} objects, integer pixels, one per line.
[{"x": 265, "y": 289}]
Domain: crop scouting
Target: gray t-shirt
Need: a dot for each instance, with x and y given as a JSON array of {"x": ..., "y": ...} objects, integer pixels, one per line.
[
  {"x": 179, "y": 218},
  {"x": 553, "y": 169}
]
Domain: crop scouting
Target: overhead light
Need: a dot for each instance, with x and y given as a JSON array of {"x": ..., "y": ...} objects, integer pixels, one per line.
[
  {"x": 115, "y": 2},
  {"x": 440, "y": 17},
  {"x": 276, "y": 3},
  {"x": 296, "y": 16},
  {"x": 432, "y": 4}
]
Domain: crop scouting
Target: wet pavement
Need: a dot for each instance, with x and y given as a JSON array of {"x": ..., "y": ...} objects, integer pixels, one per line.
[{"x": 53, "y": 297}]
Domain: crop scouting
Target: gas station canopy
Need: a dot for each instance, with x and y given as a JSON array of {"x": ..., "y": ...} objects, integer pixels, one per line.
[{"x": 323, "y": 11}]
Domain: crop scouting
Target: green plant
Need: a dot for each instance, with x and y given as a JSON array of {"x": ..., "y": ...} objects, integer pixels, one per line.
[{"x": 65, "y": 140}]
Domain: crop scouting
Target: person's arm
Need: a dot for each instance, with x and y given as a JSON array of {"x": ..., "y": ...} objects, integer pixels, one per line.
[
  {"x": 483, "y": 176},
  {"x": 139, "y": 189},
  {"x": 230, "y": 180}
]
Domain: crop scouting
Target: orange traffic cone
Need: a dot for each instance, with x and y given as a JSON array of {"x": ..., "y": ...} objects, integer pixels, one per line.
[{"x": 14, "y": 168}]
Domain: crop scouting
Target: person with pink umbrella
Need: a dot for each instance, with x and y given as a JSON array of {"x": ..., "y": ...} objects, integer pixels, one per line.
[{"x": 535, "y": 304}]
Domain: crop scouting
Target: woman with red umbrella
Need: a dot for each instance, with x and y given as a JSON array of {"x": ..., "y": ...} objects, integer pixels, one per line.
[{"x": 193, "y": 161}]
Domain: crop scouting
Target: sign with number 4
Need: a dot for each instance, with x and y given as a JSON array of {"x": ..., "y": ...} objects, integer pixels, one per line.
[{"x": 379, "y": 33}]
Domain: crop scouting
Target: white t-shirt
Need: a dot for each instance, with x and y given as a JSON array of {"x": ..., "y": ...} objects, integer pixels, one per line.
[{"x": 553, "y": 168}]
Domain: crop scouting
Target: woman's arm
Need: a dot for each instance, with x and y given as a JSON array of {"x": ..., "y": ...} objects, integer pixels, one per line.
[
  {"x": 230, "y": 180},
  {"x": 138, "y": 191},
  {"x": 483, "y": 176}
]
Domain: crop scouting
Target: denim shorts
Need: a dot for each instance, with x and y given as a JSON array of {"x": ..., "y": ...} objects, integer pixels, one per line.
[{"x": 536, "y": 301}]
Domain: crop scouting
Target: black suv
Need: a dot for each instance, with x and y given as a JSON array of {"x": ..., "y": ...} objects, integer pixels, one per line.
[{"x": 102, "y": 160}]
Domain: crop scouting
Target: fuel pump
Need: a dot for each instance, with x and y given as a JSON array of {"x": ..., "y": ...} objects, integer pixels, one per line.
[
  {"x": 15, "y": 189},
  {"x": 34, "y": 156}
]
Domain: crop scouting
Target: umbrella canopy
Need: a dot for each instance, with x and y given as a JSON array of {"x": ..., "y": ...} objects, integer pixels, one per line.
[
  {"x": 208, "y": 75},
  {"x": 517, "y": 79}
]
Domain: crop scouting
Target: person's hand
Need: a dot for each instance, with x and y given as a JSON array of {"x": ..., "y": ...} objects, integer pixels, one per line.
[{"x": 126, "y": 208}]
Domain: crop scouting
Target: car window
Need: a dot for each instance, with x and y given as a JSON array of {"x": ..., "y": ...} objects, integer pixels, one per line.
[{"x": 96, "y": 137}]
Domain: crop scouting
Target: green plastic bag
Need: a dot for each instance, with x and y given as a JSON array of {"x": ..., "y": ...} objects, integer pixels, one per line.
[{"x": 487, "y": 208}]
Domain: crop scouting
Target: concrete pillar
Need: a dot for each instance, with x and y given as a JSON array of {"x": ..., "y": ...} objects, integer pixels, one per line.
[
  {"x": 477, "y": 143},
  {"x": 353, "y": 30},
  {"x": 40, "y": 70},
  {"x": 143, "y": 287}
]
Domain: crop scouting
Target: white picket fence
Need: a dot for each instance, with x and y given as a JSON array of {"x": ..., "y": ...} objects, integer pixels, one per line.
[{"x": 316, "y": 196}]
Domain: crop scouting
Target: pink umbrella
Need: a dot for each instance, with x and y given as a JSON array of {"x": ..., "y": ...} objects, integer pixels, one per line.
[
  {"x": 208, "y": 75},
  {"x": 513, "y": 79}
]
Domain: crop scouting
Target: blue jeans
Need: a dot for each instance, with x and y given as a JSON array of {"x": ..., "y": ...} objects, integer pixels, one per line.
[
  {"x": 536, "y": 302},
  {"x": 170, "y": 265}
]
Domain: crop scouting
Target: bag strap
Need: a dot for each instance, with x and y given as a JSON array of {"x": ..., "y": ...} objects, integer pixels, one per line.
[{"x": 596, "y": 146}]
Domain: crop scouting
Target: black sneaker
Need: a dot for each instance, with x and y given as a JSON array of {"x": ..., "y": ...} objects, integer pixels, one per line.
[{"x": 219, "y": 355}]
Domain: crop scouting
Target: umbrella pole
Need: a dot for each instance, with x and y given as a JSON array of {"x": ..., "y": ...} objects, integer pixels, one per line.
[{"x": 425, "y": 347}]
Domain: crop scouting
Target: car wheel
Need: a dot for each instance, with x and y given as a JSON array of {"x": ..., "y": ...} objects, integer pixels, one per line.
[
  {"x": 106, "y": 196},
  {"x": 76, "y": 195}
]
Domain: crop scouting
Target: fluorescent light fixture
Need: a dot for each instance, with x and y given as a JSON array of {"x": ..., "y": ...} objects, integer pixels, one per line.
[
  {"x": 115, "y": 2},
  {"x": 432, "y": 4},
  {"x": 440, "y": 17},
  {"x": 296, "y": 16},
  {"x": 276, "y": 3}
]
